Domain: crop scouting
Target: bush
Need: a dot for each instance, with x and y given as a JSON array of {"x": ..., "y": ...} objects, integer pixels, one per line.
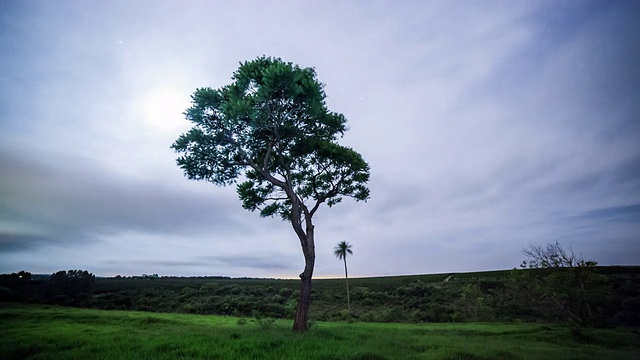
[
  {"x": 394, "y": 314},
  {"x": 210, "y": 287},
  {"x": 285, "y": 292},
  {"x": 264, "y": 323},
  {"x": 81, "y": 300}
]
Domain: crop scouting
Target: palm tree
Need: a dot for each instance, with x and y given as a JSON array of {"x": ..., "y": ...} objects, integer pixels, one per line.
[{"x": 341, "y": 251}]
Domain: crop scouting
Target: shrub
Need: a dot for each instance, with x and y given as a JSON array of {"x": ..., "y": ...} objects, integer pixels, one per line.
[
  {"x": 210, "y": 286},
  {"x": 263, "y": 323},
  {"x": 285, "y": 292}
]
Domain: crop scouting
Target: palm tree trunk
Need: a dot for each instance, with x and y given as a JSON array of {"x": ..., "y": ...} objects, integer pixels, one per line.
[{"x": 346, "y": 276}]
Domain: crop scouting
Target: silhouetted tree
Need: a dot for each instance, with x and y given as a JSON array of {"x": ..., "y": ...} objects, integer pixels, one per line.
[
  {"x": 271, "y": 127},
  {"x": 14, "y": 279},
  {"x": 572, "y": 283},
  {"x": 341, "y": 251},
  {"x": 72, "y": 282}
]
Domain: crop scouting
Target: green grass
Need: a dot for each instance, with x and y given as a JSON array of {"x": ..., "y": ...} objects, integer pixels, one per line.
[{"x": 50, "y": 332}]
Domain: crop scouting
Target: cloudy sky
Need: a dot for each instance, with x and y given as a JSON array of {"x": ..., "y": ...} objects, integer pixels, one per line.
[{"x": 488, "y": 125}]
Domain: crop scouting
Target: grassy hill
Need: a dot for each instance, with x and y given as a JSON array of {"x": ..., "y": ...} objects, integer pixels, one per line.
[
  {"x": 53, "y": 332},
  {"x": 490, "y": 296}
]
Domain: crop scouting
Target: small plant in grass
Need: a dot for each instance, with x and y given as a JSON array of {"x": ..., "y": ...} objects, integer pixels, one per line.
[
  {"x": 265, "y": 323},
  {"x": 241, "y": 321}
]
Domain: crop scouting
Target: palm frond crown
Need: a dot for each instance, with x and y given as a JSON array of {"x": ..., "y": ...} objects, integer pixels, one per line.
[{"x": 342, "y": 250}]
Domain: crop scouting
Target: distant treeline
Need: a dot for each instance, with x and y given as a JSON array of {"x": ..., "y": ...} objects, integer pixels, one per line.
[{"x": 610, "y": 296}]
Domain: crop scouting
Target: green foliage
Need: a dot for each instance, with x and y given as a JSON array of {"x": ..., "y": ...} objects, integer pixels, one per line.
[
  {"x": 342, "y": 250},
  {"x": 272, "y": 126},
  {"x": 517, "y": 296},
  {"x": 473, "y": 304}
]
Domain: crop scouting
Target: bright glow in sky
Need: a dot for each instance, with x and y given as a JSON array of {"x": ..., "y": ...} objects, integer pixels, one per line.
[{"x": 488, "y": 126}]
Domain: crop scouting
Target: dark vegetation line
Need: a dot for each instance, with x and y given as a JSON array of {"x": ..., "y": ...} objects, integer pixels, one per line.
[{"x": 524, "y": 295}]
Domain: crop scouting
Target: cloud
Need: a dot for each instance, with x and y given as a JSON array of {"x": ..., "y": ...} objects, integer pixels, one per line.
[
  {"x": 486, "y": 126},
  {"x": 10, "y": 242},
  {"x": 82, "y": 199},
  {"x": 261, "y": 262}
]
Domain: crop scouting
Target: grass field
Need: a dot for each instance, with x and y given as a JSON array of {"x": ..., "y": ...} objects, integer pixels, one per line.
[{"x": 51, "y": 332}]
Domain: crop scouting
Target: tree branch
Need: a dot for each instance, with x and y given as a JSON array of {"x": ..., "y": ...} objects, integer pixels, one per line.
[{"x": 262, "y": 171}]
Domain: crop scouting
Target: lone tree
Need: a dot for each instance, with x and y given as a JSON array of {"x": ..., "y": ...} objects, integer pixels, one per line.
[
  {"x": 552, "y": 256},
  {"x": 573, "y": 284},
  {"x": 271, "y": 133},
  {"x": 341, "y": 251}
]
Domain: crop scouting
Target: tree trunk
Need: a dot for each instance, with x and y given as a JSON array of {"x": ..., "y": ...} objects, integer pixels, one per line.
[
  {"x": 301, "y": 321},
  {"x": 346, "y": 277}
]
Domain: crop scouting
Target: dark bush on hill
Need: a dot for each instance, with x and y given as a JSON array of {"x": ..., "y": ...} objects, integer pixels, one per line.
[{"x": 72, "y": 283}]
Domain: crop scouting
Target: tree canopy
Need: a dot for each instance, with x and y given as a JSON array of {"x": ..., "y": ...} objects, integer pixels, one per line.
[
  {"x": 271, "y": 127},
  {"x": 342, "y": 250}
]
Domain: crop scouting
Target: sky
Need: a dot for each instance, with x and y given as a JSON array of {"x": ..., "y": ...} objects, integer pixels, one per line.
[{"x": 488, "y": 126}]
